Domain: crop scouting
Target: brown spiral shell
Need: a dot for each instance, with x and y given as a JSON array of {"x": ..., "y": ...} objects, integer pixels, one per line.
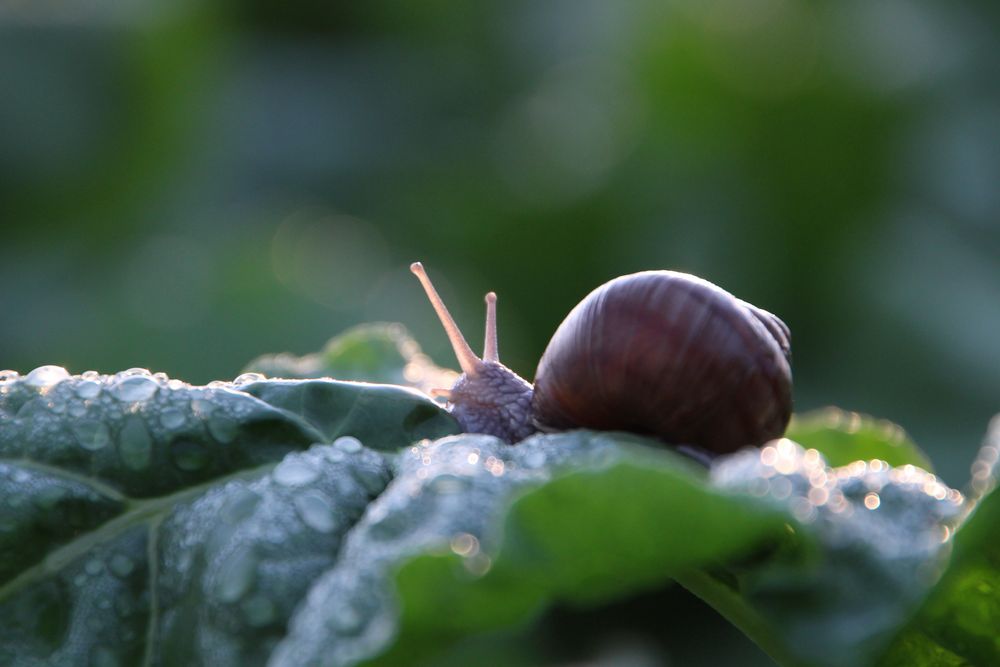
[{"x": 670, "y": 355}]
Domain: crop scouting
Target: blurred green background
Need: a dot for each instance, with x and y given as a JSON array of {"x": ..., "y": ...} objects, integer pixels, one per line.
[{"x": 184, "y": 186}]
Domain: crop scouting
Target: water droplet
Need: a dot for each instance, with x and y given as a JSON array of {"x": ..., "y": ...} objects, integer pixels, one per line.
[
  {"x": 135, "y": 445},
  {"x": 333, "y": 455},
  {"x": 172, "y": 418},
  {"x": 134, "y": 388},
  {"x": 134, "y": 372},
  {"x": 88, "y": 389},
  {"x": 240, "y": 505},
  {"x": 121, "y": 565},
  {"x": 223, "y": 429},
  {"x": 345, "y": 618},
  {"x": 258, "y": 611},
  {"x": 294, "y": 472},
  {"x": 46, "y": 376},
  {"x": 77, "y": 409},
  {"x": 202, "y": 408},
  {"x": 535, "y": 459},
  {"x": 348, "y": 443},
  {"x": 315, "y": 510},
  {"x": 237, "y": 577},
  {"x": 247, "y": 378},
  {"x": 91, "y": 434},
  {"x": 189, "y": 455},
  {"x": 9, "y": 375},
  {"x": 93, "y": 567}
]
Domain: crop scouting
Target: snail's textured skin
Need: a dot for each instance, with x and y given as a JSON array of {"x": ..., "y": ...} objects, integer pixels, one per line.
[
  {"x": 670, "y": 355},
  {"x": 495, "y": 401}
]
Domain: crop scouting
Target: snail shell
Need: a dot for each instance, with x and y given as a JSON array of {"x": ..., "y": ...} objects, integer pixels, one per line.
[{"x": 670, "y": 355}]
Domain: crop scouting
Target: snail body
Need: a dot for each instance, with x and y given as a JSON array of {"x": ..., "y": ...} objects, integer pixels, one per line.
[{"x": 660, "y": 353}]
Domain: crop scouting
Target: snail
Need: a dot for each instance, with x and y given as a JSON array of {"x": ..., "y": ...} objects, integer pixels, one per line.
[{"x": 659, "y": 353}]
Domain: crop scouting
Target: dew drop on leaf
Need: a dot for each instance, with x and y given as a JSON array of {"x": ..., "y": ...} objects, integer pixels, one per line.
[
  {"x": 345, "y": 619},
  {"x": 172, "y": 418},
  {"x": 247, "y": 378},
  {"x": 91, "y": 434},
  {"x": 333, "y": 455},
  {"x": 202, "y": 408},
  {"x": 134, "y": 388},
  {"x": 237, "y": 576},
  {"x": 315, "y": 510},
  {"x": 44, "y": 377},
  {"x": 294, "y": 472},
  {"x": 348, "y": 443},
  {"x": 135, "y": 445},
  {"x": 223, "y": 429},
  {"x": 121, "y": 565},
  {"x": 240, "y": 506},
  {"x": 535, "y": 459},
  {"x": 188, "y": 455}
]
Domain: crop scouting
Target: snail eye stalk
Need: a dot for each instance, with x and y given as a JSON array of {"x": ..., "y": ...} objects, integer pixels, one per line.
[{"x": 467, "y": 359}]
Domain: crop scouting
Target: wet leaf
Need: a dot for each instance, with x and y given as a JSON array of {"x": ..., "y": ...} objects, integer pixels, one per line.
[
  {"x": 136, "y": 511},
  {"x": 581, "y": 516},
  {"x": 879, "y": 543}
]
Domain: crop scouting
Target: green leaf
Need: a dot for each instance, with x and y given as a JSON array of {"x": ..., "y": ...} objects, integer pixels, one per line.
[
  {"x": 843, "y": 437},
  {"x": 878, "y": 535},
  {"x": 383, "y": 416},
  {"x": 145, "y": 521},
  {"x": 594, "y": 517},
  {"x": 370, "y": 352},
  {"x": 962, "y": 614},
  {"x": 148, "y": 522}
]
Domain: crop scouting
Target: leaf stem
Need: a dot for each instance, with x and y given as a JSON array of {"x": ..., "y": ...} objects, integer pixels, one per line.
[{"x": 735, "y": 610}]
